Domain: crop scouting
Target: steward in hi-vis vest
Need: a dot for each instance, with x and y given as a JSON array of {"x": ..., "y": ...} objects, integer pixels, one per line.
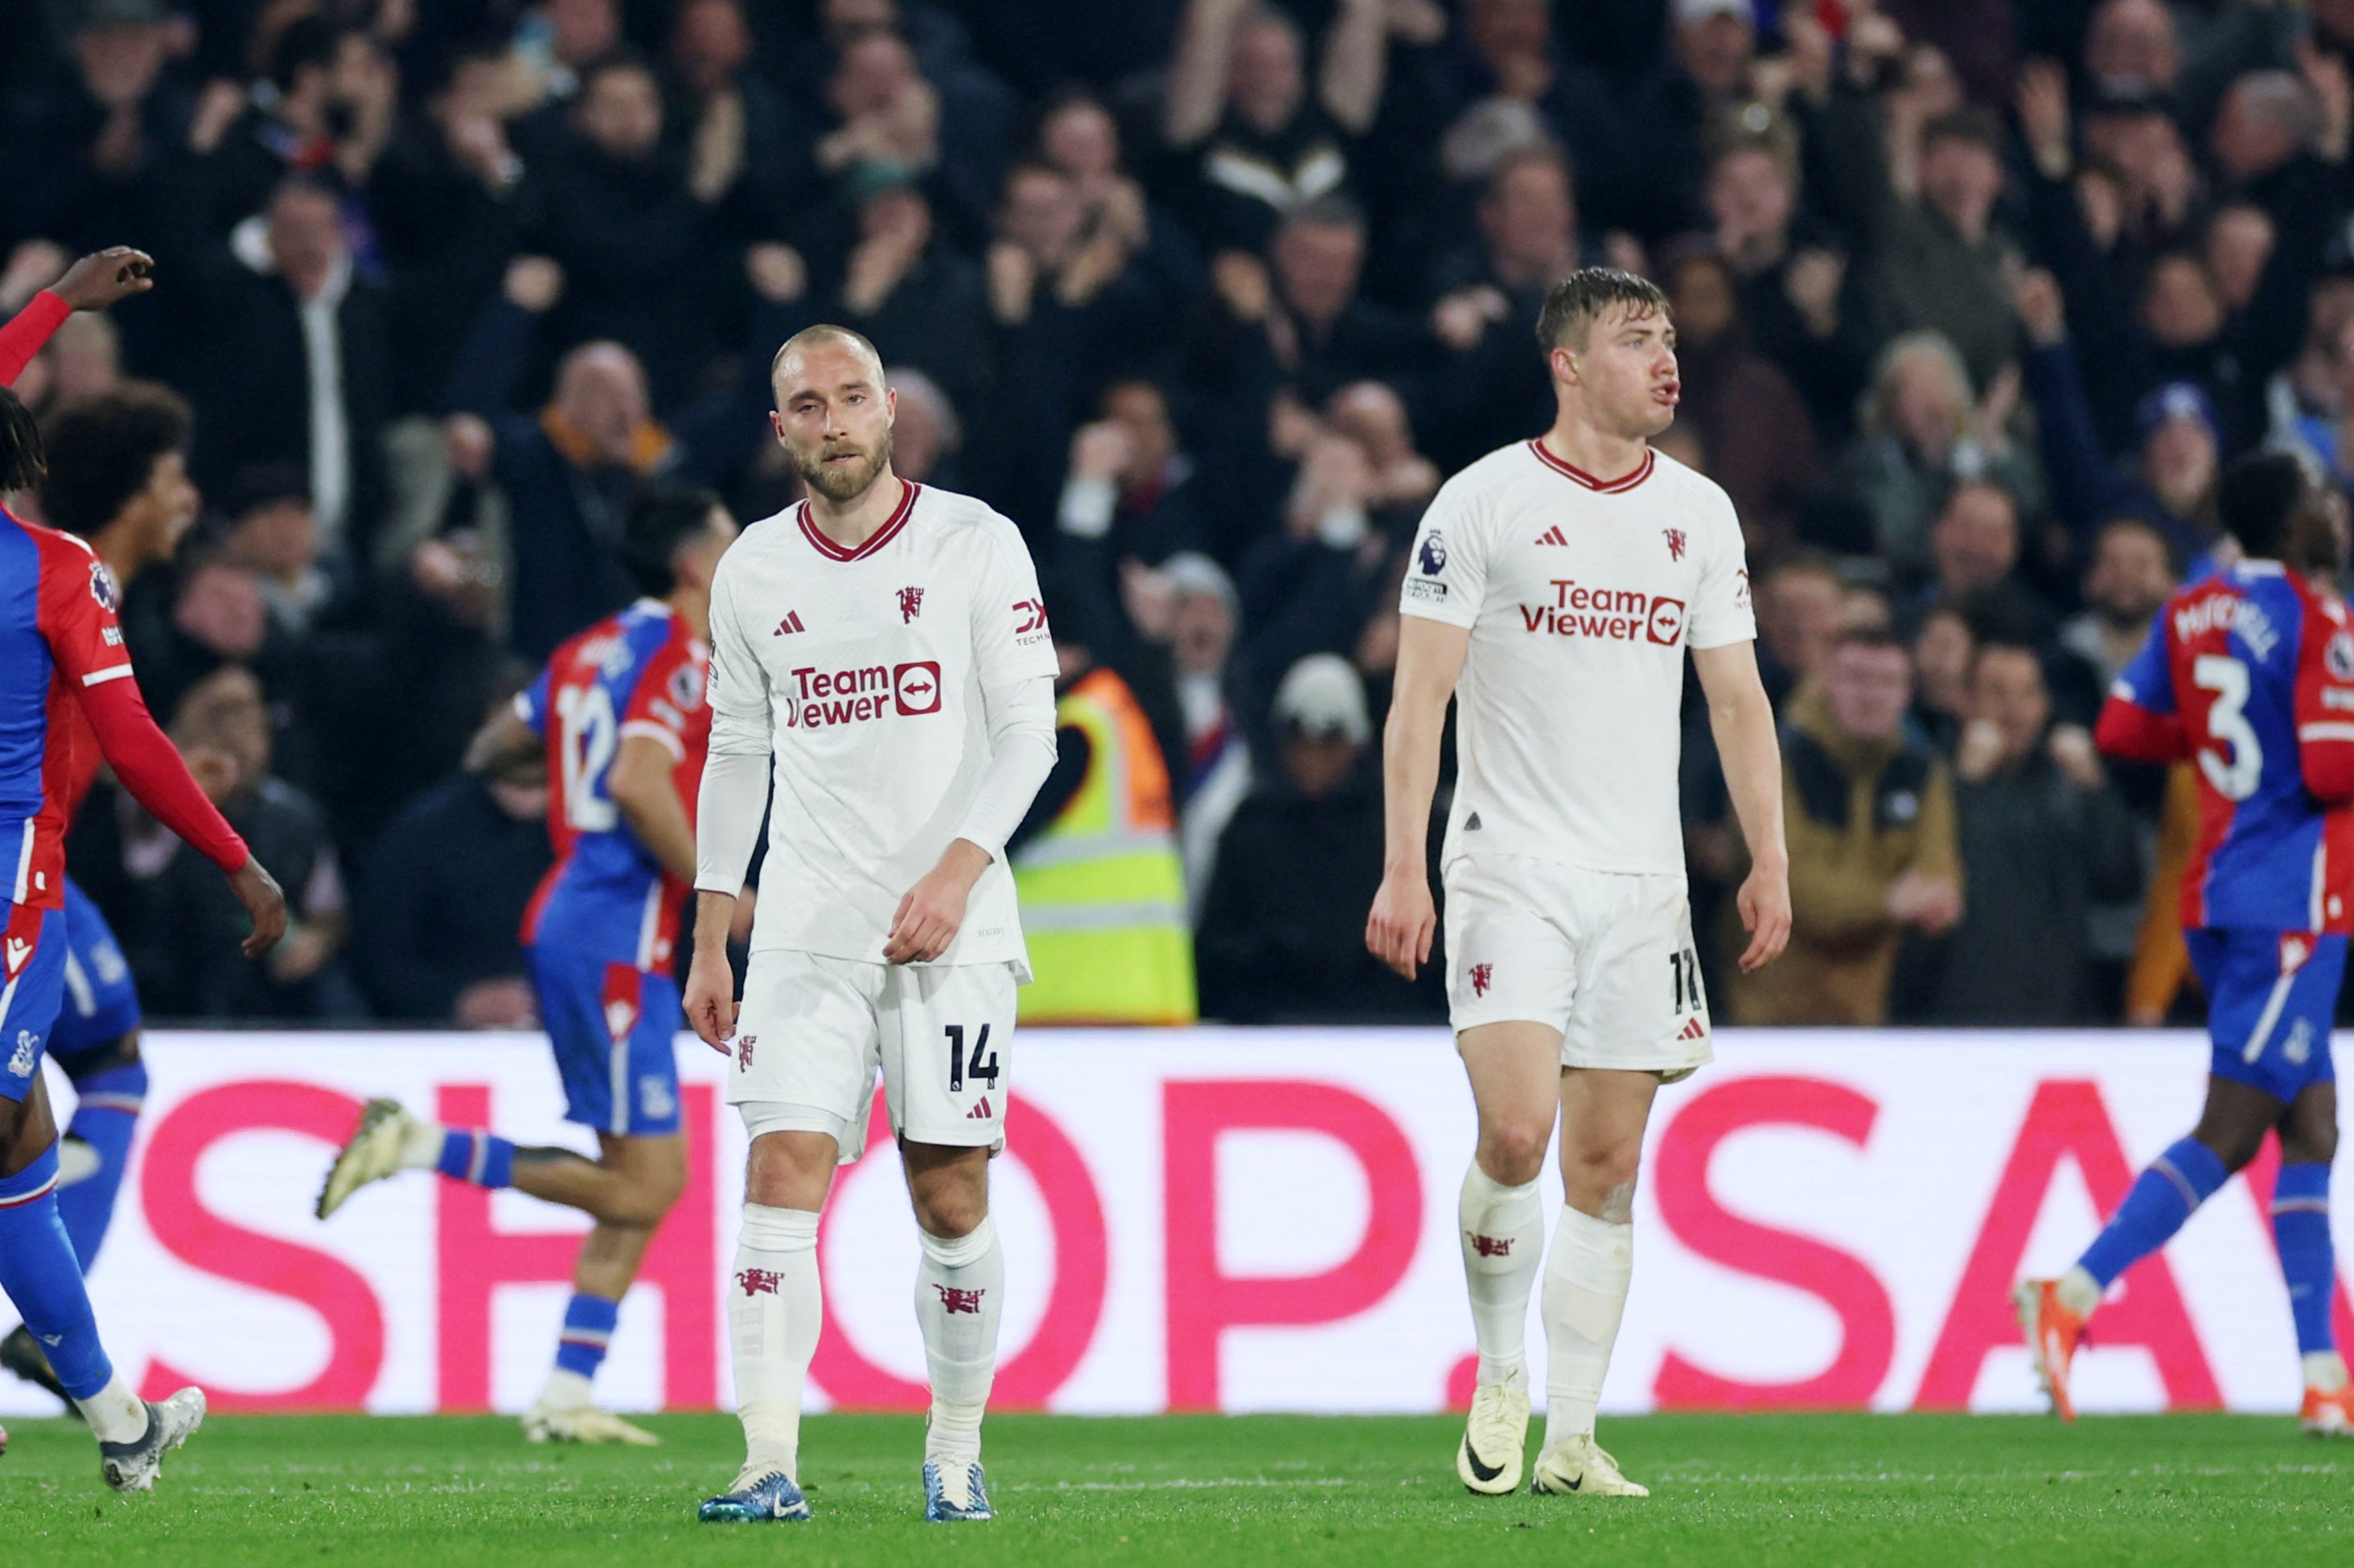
[{"x": 1102, "y": 889}]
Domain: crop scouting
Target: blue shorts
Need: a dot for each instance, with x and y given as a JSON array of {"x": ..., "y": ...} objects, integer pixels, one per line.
[
  {"x": 101, "y": 1000},
  {"x": 614, "y": 1028},
  {"x": 2270, "y": 999},
  {"x": 33, "y": 958}
]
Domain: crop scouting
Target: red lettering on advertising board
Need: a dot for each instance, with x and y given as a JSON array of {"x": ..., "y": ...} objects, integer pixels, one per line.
[
  {"x": 473, "y": 1259},
  {"x": 176, "y": 1214},
  {"x": 1074, "y": 1304},
  {"x": 1840, "y": 1281},
  {"x": 1202, "y": 1300},
  {"x": 2067, "y": 1120}
]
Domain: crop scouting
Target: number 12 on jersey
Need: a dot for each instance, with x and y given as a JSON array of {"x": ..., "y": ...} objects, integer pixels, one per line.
[{"x": 983, "y": 1065}]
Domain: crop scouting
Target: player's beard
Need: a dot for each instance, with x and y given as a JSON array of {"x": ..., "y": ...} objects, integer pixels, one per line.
[{"x": 839, "y": 485}]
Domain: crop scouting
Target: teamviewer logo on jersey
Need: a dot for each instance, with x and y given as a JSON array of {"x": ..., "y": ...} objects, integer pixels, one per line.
[
  {"x": 1666, "y": 620},
  {"x": 917, "y": 687}
]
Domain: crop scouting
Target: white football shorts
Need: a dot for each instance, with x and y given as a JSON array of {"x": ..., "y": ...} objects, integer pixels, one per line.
[
  {"x": 814, "y": 1031},
  {"x": 1606, "y": 957}
]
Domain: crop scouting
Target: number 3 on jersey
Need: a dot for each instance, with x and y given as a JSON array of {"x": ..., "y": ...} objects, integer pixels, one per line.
[
  {"x": 586, "y": 751},
  {"x": 2234, "y": 777}
]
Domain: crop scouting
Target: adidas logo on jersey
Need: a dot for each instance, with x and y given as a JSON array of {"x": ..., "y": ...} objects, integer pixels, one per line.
[
  {"x": 792, "y": 623},
  {"x": 1553, "y": 535},
  {"x": 1693, "y": 1029},
  {"x": 982, "y": 1111}
]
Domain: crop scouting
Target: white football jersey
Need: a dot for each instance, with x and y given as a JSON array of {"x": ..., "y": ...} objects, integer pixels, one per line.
[
  {"x": 1581, "y": 598},
  {"x": 862, "y": 670}
]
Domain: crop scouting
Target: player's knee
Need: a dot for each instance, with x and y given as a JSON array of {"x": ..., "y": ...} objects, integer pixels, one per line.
[
  {"x": 1513, "y": 1156},
  {"x": 953, "y": 1211},
  {"x": 2315, "y": 1145},
  {"x": 1600, "y": 1179}
]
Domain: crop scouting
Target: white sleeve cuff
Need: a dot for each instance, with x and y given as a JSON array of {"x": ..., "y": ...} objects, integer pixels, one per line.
[
  {"x": 1088, "y": 506},
  {"x": 734, "y": 797}
]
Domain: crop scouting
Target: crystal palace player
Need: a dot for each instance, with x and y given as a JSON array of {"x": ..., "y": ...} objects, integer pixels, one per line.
[
  {"x": 620, "y": 710},
  {"x": 117, "y": 477},
  {"x": 885, "y": 645},
  {"x": 2250, "y": 674},
  {"x": 61, "y": 647},
  {"x": 1554, "y": 587}
]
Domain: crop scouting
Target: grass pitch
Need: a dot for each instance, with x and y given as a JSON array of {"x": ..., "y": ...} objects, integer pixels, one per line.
[{"x": 1206, "y": 1492}]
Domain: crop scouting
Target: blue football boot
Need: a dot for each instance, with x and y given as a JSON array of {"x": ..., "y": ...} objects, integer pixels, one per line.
[
  {"x": 954, "y": 1492},
  {"x": 759, "y": 1496}
]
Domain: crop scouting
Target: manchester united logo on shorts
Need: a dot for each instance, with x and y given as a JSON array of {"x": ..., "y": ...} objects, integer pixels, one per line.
[{"x": 1480, "y": 975}]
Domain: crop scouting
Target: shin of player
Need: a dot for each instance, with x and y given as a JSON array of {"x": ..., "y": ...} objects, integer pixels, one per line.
[
  {"x": 1555, "y": 589},
  {"x": 880, "y": 658},
  {"x": 2248, "y": 674}
]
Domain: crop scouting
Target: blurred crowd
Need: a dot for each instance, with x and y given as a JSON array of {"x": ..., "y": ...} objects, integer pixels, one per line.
[{"x": 1975, "y": 297}]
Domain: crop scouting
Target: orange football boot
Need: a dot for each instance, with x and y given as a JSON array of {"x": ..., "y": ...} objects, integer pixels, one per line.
[
  {"x": 2052, "y": 1334},
  {"x": 2329, "y": 1415}
]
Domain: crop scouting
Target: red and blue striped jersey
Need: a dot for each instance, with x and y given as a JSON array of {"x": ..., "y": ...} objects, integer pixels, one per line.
[
  {"x": 59, "y": 636},
  {"x": 2250, "y": 675},
  {"x": 638, "y": 673}
]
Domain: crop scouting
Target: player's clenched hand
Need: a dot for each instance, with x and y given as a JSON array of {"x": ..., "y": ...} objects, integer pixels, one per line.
[
  {"x": 1404, "y": 921},
  {"x": 1765, "y": 904},
  {"x": 933, "y": 910},
  {"x": 265, "y": 904},
  {"x": 710, "y": 999},
  {"x": 98, "y": 280}
]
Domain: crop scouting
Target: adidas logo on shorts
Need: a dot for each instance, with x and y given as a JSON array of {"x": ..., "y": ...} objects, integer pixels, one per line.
[
  {"x": 980, "y": 1112},
  {"x": 1693, "y": 1029}
]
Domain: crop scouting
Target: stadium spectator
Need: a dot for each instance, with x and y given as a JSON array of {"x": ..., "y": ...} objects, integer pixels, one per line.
[
  {"x": 567, "y": 474},
  {"x": 92, "y": 145},
  {"x": 439, "y": 908},
  {"x": 1799, "y": 292},
  {"x": 921, "y": 300},
  {"x": 1870, "y": 814},
  {"x": 1240, "y": 109},
  {"x": 1922, "y": 429},
  {"x": 1755, "y": 427},
  {"x": 223, "y": 729},
  {"x": 1279, "y": 937},
  {"x": 2043, "y": 838},
  {"x": 2129, "y": 579},
  {"x": 292, "y": 361}
]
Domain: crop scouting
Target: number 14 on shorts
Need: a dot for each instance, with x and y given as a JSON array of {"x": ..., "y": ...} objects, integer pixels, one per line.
[
  {"x": 982, "y": 1065},
  {"x": 1683, "y": 971}
]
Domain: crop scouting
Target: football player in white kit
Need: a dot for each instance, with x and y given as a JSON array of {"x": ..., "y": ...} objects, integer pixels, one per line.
[
  {"x": 882, "y": 649},
  {"x": 1554, "y": 587}
]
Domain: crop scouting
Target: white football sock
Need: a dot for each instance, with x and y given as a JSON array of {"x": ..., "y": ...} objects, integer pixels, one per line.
[
  {"x": 774, "y": 1311},
  {"x": 1585, "y": 1293},
  {"x": 420, "y": 1144},
  {"x": 1501, "y": 1229},
  {"x": 2079, "y": 1291},
  {"x": 2325, "y": 1371},
  {"x": 566, "y": 1390},
  {"x": 958, "y": 1287},
  {"x": 116, "y": 1414}
]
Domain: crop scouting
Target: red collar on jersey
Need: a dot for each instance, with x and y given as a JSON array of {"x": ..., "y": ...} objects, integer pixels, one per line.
[
  {"x": 880, "y": 537},
  {"x": 1618, "y": 486}
]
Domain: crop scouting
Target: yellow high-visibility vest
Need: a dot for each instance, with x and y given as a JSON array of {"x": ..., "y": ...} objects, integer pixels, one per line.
[{"x": 1103, "y": 889}]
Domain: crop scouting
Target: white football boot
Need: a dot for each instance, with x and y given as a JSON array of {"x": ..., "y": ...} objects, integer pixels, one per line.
[
  {"x": 1495, "y": 1440},
  {"x": 371, "y": 1154},
  {"x": 1579, "y": 1465},
  {"x": 546, "y": 1423}
]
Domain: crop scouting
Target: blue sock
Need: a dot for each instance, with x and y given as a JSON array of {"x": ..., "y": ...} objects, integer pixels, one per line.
[
  {"x": 477, "y": 1157},
  {"x": 588, "y": 1329},
  {"x": 2301, "y": 1231},
  {"x": 105, "y": 1118},
  {"x": 38, "y": 1273},
  {"x": 2176, "y": 1181}
]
